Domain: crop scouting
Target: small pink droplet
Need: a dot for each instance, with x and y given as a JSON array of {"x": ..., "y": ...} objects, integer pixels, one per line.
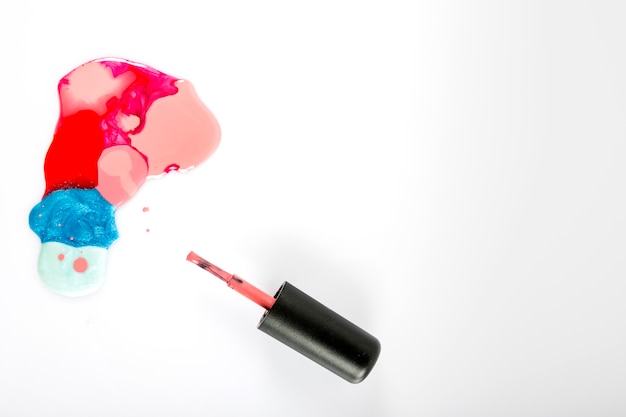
[
  {"x": 61, "y": 257},
  {"x": 59, "y": 224},
  {"x": 80, "y": 265},
  {"x": 147, "y": 230},
  {"x": 71, "y": 237},
  {"x": 146, "y": 209}
]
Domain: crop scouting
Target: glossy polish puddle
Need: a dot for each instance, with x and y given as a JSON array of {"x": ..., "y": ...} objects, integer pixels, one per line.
[{"x": 120, "y": 123}]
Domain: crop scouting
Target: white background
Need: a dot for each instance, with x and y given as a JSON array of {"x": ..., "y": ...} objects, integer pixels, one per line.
[{"x": 448, "y": 175}]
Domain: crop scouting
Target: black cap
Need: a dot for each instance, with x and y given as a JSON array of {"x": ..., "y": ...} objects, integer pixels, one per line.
[{"x": 320, "y": 334}]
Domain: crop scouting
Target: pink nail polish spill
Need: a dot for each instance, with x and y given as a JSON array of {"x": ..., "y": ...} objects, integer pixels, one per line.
[{"x": 120, "y": 123}]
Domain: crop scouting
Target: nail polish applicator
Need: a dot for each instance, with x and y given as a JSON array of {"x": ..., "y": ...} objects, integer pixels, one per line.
[{"x": 307, "y": 326}]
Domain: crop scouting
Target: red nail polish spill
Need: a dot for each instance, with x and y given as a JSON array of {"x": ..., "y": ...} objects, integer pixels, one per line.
[{"x": 120, "y": 123}]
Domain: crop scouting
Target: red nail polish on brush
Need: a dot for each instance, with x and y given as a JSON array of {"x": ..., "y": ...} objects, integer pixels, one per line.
[{"x": 307, "y": 326}]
